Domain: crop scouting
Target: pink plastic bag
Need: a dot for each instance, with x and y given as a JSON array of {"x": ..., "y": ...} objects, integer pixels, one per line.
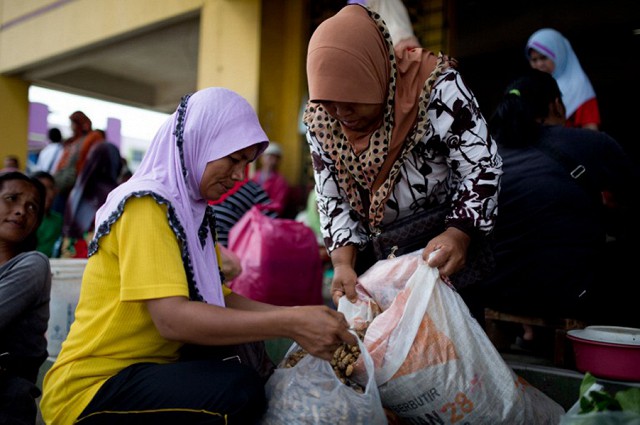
[{"x": 280, "y": 260}]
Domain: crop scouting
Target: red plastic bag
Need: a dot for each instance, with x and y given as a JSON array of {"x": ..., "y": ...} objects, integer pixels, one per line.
[{"x": 280, "y": 260}]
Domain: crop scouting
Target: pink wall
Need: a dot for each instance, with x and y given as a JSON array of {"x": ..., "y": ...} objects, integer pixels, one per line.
[{"x": 38, "y": 126}]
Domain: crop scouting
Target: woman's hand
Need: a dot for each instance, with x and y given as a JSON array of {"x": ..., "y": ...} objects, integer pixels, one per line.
[
  {"x": 451, "y": 246},
  {"x": 344, "y": 283},
  {"x": 344, "y": 275},
  {"x": 231, "y": 265},
  {"x": 320, "y": 330}
]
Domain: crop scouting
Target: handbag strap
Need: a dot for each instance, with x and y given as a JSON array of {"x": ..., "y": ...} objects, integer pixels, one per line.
[
  {"x": 577, "y": 171},
  {"x": 366, "y": 205}
]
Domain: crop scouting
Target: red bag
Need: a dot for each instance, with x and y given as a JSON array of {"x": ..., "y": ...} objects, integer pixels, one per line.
[{"x": 280, "y": 260}]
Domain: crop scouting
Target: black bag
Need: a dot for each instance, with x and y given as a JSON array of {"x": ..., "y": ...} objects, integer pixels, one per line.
[
  {"x": 414, "y": 232},
  {"x": 410, "y": 233},
  {"x": 253, "y": 354}
]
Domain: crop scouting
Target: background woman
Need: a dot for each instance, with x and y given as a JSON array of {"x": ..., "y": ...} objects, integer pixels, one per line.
[
  {"x": 98, "y": 177},
  {"x": 553, "y": 257},
  {"x": 549, "y": 51},
  {"x": 25, "y": 288}
]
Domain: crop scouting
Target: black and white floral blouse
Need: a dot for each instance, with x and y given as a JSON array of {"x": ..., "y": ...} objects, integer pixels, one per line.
[{"x": 456, "y": 161}]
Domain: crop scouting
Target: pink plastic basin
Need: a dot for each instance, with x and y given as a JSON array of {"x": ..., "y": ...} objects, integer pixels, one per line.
[{"x": 607, "y": 352}]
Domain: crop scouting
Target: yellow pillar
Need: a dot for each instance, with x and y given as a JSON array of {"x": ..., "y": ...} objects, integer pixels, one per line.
[
  {"x": 260, "y": 53},
  {"x": 283, "y": 82},
  {"x": 14, "y": 119},
  {"x": 229, "y": 51}
]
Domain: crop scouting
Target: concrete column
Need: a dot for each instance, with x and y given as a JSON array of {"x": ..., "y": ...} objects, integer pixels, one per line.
[
  {"x": 229, "y": 51},
  {"x": 283, "y": 82},
  {"x": 14, "y": 118}
]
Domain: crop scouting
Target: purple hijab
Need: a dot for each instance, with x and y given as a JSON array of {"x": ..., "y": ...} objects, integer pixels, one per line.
[{"x": 208, "y": 125}]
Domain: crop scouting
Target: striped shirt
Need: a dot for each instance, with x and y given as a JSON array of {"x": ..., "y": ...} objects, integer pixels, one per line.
[{"x": 231, "y": 210}]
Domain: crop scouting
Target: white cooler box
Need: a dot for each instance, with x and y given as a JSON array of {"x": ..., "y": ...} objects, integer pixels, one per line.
[{"x": 65, "y": 291}]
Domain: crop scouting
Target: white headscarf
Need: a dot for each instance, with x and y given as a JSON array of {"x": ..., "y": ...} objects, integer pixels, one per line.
[
  {"x": 208, "y": 125},
  {"x": 572, "y": 80}
]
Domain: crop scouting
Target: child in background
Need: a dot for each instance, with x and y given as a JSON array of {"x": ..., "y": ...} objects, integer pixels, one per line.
[{"x": 11, "y": 163}]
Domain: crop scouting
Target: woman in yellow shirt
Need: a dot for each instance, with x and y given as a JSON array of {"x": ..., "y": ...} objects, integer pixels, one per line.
[{"x": 152, "y": 285}]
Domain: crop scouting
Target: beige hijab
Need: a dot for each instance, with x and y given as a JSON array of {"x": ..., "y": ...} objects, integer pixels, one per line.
[{"x": 351, "y": 59}]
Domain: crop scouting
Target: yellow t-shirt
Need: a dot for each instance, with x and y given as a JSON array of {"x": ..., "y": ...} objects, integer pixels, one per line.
[{"x": 137, "y": 261}]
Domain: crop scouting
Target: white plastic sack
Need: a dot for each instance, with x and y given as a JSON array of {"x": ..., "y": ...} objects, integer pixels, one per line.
[
  {"x": 433, "y": 361},
  {"x": 65, "y": 292},
  {"x": 311, "y": 393},
  {"x": 601, "y": 418}
]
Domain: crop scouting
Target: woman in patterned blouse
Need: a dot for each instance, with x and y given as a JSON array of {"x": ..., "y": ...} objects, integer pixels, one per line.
[{"x": 393, "y": 134}]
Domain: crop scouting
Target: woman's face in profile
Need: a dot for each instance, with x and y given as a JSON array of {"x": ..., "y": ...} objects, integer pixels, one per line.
[
  {"x": 355, "y": 116},
  {"x": 541, "y": 62},
  {"x": 222, "y": 174},
  {"x": 19, "y": 207}
]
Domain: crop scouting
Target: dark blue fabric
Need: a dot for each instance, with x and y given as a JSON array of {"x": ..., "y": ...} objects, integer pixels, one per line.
[
  {"x": 551, "y": 253},
  {"x": 17, "y": 400},
  {"x": 186, "y": 392}
]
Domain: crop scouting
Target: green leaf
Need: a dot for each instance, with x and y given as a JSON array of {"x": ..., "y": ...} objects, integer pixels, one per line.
[
  {"x": 601, "y": 400},
  {"x": 629, "y": 399},
  {"x": 604, "y": 401},
  {"x": 586, "y": 405},
  {"x": 586, "y": 383}
]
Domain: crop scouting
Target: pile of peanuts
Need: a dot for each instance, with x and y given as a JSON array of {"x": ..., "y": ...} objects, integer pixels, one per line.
[{"x": 342, "y": 362}]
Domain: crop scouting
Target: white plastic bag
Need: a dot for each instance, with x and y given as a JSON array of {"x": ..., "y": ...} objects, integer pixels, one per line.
[
  {"x": 433, "y": 361},
  {"x": 311, "y": 393},
  {"x": 601, "y": 418}
]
